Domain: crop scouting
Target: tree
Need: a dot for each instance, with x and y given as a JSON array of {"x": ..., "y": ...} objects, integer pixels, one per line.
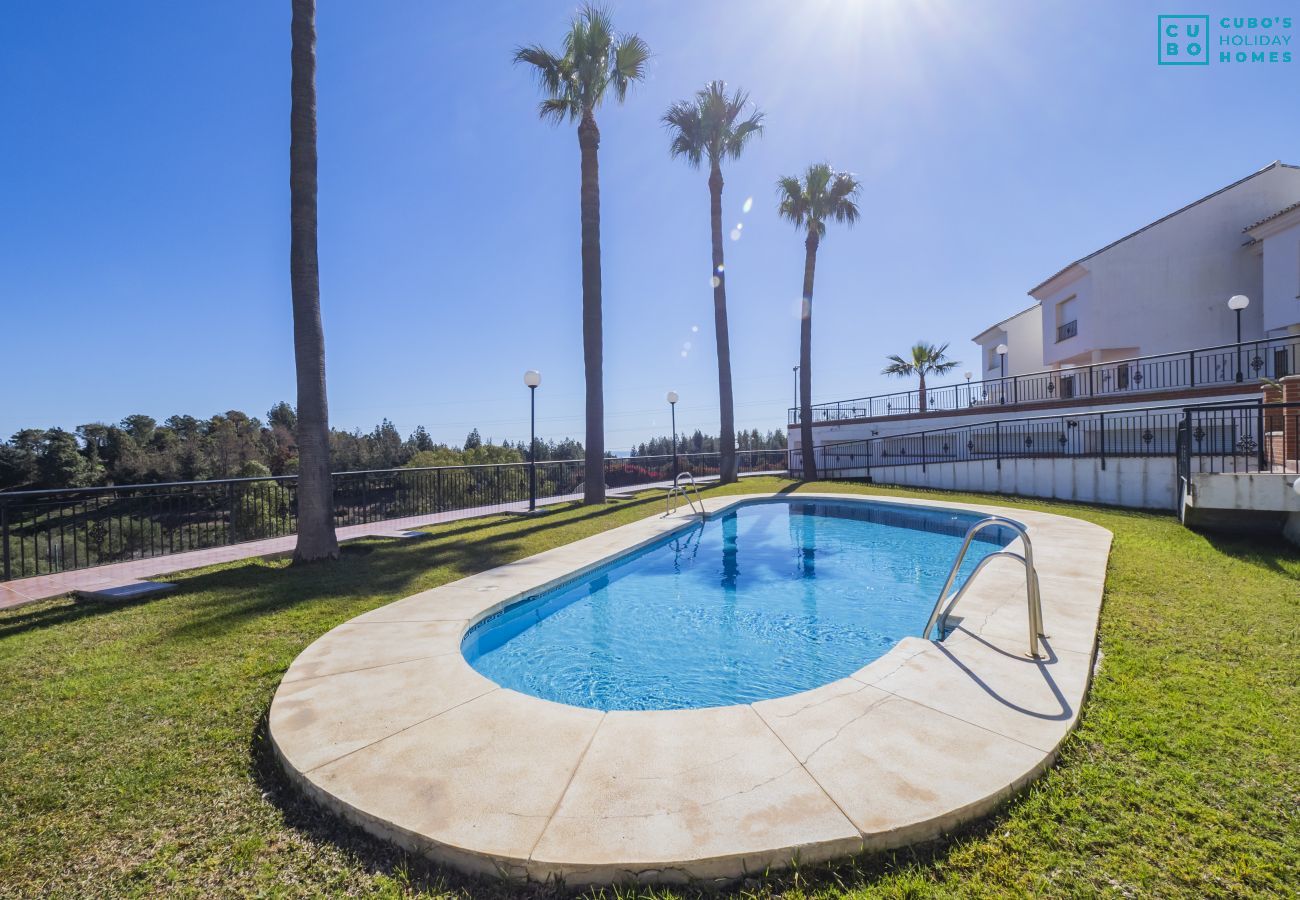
[
  {"x": 927, "y": 359},
  {"x": 18, "y": 458},
  {"x": 595, "y": 59},
  {"x": 473, "y": 440},
  {"x": 823, "y": 195},
  {"x": 420, "y": 440},
  {"x": 389, "y": 450},
  {"x": 316, "y": 538},
  {"x": 140, "y": 427},
  {"x": 710, "y": 127},
  {"x": 282, "y": 415},
  {"x": 60, "y": 462}
]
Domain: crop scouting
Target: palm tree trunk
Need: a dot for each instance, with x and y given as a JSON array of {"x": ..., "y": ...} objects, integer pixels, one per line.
[
  {"x": 921, "y": 392},
  {"x": 316, "y": 538},
  {"x": 805, "y": 361},
  {"x": 592, "y": 350},
  {"x": 726, "y": 402}
]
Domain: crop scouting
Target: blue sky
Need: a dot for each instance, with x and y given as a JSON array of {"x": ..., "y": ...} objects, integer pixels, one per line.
[{"x": 144, "y": 234}]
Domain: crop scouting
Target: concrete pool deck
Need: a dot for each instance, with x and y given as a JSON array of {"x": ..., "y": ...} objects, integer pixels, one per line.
[{"x": 384, "y": 722}]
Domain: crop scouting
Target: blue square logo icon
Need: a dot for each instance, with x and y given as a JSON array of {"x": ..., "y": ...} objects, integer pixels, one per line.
[{"x": 1183, "y": 40}]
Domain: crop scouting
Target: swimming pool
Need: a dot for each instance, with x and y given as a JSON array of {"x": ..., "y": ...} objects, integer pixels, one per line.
[{"x": 767, "y": 599}]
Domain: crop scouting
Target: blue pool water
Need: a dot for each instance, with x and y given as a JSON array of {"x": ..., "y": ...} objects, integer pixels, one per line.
[{"x": 768, "y": 599}]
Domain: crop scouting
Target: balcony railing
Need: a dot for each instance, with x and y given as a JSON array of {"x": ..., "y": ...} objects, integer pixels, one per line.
[
  {"x": 1066, "y": 331},
  {"x": 1212, "y": 438},
  {"x": 44, "y": 532},
  {"x": 1220, "y": 366}
]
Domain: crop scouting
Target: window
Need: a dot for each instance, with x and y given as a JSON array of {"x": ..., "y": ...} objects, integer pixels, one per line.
[
  {"x": 1067, "y": 320},
  {"x": 994, "y": 363},
  {"x": 1121, "y": 376},
  {"x": 1067, "y": 387}
]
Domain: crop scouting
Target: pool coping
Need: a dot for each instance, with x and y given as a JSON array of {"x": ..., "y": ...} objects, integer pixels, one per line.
[{"x": 382, "y": 721}]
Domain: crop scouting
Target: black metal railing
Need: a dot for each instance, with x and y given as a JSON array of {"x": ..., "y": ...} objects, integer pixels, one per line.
[
  {"x": 1067, "y": 330},
  {"x": 1223, "y": 438},
  {"x": 49, "y": 531},
  {"x": 1240, "y": 438},
  {"x": 1187, "y": 370}
]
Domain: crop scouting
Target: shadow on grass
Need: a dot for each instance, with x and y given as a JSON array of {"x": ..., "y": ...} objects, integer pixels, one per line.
[
  {"x": 544, "y": 519},
  {"x": 366, "y": 568},
  {"x": 57, "y": 612},
  {"x": 1263, "y": 551}
]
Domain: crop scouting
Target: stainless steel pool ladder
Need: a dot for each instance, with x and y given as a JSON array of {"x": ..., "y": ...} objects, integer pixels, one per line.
[
  {"x": 679, "y": 488},
  {"x": 944, "y": 605}
]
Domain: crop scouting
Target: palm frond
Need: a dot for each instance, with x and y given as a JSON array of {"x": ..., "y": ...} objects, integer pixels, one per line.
[
  {"x": 546, "y": 66},
  {"x": 595, "y": 57},
  {"x": 841, "y": 198},
  {"x": 740, "y": 136},
  {"x": 816, "y": 180},
  {"x": 926, "y": 359},
  {"x": 559, "y": 109},
  {"x": 686, "y": 128},
  {"x": 898, "y": 366},
  {"x": 630, "y": 58},
  {"x": 792, "y": 201}
]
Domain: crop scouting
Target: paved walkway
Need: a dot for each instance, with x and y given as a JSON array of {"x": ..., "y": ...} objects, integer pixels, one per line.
[{"x": 42, "y": 587}]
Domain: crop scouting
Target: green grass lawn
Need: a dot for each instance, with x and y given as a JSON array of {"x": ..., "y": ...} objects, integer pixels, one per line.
[{"x": 134, "y": 760}]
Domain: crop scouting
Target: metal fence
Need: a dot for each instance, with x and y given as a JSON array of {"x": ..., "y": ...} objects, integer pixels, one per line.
[
  {"x": 49, "y": 531},
  {"x": 1219, "y": 438},
  {"x": 1240, "y": 438},
  {"x": 1208, "y": 367}
]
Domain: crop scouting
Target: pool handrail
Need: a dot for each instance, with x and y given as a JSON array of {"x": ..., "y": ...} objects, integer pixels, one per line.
[
  {"x": 939, "y": 615},
  {"x": 679, "y": 488}
]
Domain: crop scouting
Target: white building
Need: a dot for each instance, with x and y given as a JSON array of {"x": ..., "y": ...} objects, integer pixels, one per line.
[
  {"x": 1164, "y": 288},
  {"x": 1022, "y": 335},
  {"x": 1142, "y": 321},
  {"x": 1127, "y": 381},
  {"x": 1275, "y": 240}
]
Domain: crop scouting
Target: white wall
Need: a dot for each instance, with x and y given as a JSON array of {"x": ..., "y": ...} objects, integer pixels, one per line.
[
  {"x": 1140, "y": 483},
  {"x": 1166, "y": 288},
  {"x": 1079, "y": 290},
  {"x": 1268, "y": 491},
  {"x": 1281, "y": 296},
  {"x": 1023, "y": 335}
]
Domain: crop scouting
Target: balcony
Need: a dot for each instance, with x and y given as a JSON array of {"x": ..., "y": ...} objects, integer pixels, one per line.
[
  {"x": 1186, "y": 371},
  {"x": 1067, "y": 331}
]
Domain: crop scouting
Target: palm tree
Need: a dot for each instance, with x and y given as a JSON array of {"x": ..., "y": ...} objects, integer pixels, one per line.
[
  {"x": 596, "y": 59},
  {"x": 927, "y": 359},
  {"x": 823, "y": 195},
  {"x": 316, "y": 538},
  {"x": 709, "y": 127}
]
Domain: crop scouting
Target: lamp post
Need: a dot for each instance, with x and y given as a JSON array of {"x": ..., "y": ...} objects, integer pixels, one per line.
[
  {"x": 532, "y": 378},
  {"x": 796, "y": 387},
  {"x": 969, "y": 401},
  {"x": 672, "y": 404},
  {"x": 1237, "y": 303},
  {"x": 1002, "y": 382}
]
